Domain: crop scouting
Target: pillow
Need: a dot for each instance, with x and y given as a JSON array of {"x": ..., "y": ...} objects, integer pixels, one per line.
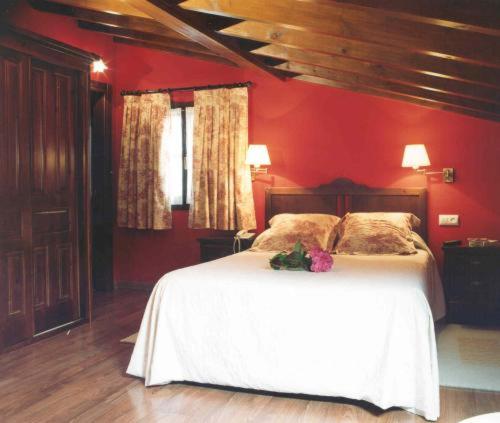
[
  {"x": 312, "y": 229},
  {"x": 376, "y": 233},
  {"x": 420, "y": 244}
]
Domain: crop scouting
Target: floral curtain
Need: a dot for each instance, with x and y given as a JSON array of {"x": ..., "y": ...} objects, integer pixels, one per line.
[
  {"x": 142, "y": 200},
  {"x": 222, "y": 195}
]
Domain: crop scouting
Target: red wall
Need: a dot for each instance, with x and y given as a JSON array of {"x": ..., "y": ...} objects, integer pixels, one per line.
[{"x": 314, "y": 134}]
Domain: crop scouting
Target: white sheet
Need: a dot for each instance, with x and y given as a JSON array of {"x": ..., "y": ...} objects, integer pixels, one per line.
[{"x": 363, "y": 330}]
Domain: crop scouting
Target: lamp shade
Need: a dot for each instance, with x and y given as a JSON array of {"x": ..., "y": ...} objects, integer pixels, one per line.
[
  {"x": 415, "y": 155},
  {"x": 257, "y": 155}
]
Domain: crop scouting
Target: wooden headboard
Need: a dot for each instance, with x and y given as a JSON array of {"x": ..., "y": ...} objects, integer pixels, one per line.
[{"x": 343, "y": 195}]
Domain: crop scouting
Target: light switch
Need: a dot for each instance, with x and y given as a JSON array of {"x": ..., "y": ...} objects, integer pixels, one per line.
[{"x": 448, "y": 220}]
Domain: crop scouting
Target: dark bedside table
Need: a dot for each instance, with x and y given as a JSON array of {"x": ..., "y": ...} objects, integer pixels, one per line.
[
  {"x": 472, "y": 284},
  {"x": 212, "y": 248}
]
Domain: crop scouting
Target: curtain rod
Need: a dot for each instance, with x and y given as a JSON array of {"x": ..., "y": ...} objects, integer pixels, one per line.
[{"x": 196, "y": 88}]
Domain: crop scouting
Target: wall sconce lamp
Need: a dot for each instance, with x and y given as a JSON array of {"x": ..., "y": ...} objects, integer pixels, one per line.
[
  {"x": 257, "y": 156},
  {"x": 415, "y": 156},
  {"x": 98, "y": 66}
]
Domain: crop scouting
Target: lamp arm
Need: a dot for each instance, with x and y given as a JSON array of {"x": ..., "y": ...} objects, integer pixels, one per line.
[
  {"x": 447, "y": 172},
  {"x": 425, "y": 172},
  {"x": 433, "y": 173}
]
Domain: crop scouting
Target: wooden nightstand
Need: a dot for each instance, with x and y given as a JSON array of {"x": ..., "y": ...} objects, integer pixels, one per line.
[
  {"x": 472, "y": 284},
  {"x": 212, "y": 248}
]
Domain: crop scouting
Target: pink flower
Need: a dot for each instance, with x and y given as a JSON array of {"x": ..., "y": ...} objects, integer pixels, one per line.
[{"x": 322, "y": 261}]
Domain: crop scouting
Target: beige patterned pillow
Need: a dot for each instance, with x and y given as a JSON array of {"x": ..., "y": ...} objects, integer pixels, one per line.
[
  {"x": 312, "y": 229},
  {"x": 376, "y": 233}
]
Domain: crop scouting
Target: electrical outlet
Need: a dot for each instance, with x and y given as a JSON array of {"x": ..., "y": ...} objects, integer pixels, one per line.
[{"x": 448, "y": 220}]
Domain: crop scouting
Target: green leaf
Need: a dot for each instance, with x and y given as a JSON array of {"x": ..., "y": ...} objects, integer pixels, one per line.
[
  {"x": 277, "y": 261},
  {"x": 296, "y": 260},
  {"x": 298, "y": 248}
]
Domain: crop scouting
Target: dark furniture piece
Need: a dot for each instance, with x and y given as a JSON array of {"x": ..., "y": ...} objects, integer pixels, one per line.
[
  {"x": 472, "y": 284},
  {"x": 44, "y": 186},
  {"x": 212, "y": 248},
  {"x": 102, "y": 187},
  {"x": 343, "y": 195}
]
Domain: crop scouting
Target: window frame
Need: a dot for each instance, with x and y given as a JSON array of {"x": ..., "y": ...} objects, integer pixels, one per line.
[{"x": 183, "y": 105}]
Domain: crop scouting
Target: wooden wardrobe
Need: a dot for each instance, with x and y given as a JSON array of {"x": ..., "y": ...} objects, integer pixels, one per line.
[{"x": 44, "y": 186}]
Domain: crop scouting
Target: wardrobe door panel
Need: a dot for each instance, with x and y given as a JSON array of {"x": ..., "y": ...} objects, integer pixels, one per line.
[
  {"x": 15, "y": 294},
  {"x": 64, "y": 130},
  {"x": 41, "y": 276},
  {"x": 39, "y": 151},
  {"x": 53, "y": 196}
]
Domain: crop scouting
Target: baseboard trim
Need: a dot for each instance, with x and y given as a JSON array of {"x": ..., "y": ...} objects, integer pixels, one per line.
[{"x": 136, "y": 286}]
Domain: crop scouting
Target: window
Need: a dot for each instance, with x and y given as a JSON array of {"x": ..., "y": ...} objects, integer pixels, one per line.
[{"x": 177, "y": 155}]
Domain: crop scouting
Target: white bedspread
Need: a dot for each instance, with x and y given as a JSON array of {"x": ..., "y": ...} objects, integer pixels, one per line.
[{"x": 363, "y": 330}]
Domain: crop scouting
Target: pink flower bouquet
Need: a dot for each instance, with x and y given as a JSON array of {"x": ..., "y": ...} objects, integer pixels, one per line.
[{"x": 321, "y": 260}]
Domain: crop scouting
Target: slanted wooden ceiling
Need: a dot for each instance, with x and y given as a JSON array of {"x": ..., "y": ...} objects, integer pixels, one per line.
[{"x": 443, "y": 54}]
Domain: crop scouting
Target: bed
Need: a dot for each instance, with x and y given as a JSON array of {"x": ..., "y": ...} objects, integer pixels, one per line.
[{"x": 364, "y": 330}]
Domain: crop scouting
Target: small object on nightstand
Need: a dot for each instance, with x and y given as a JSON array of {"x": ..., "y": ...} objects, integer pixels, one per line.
[
  {"x": 472, "y": 284},
  {"x": 474, "y": 242},
  {"x": 452, "y": 243},
  {"x": 215, "y": 247},
  {"x": 482, "y": 242},
  {"x": 243, "y": 234}
]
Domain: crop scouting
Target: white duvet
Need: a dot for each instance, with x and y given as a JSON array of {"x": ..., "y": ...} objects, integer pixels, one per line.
[{"x": 364, "y": 330}]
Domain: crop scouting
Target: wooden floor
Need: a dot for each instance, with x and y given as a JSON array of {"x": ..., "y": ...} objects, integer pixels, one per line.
[{"x": 80, "y": 377}]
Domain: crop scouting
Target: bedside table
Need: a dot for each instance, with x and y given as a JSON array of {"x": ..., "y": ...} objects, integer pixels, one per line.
[
  {"x": 212, "y": 248},
  {"x": 472, "y": 284}
]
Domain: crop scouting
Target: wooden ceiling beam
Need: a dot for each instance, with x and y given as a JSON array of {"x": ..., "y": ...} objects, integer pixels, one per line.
[
  {"x": 122, "y": 21},
  {"x": 369, "y": 25},
  {"x": 392, "y": 56},
  {"x": 144, "y": 36},
  {"x": 146, "y": 29},
  {"x": 389, "y": 86},
  {"x": 196, "y": 29},
  {"x": 172, "y": 49},
  {"x": 120, "y": 7},
  {"x": 470, "y": 15},
  {"x": 382, "y": 71},
  {"x": 395, "y": 96}
]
